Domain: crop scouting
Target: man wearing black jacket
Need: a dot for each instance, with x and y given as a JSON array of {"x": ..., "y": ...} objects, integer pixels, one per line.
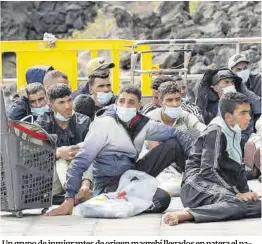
[
  {"x": 214, "y": 186},
  {"x": 239, "y": 64},
  {"x": 32, "y": 101},
  {"x": 218, "y": 82},
  {"x": 70, "y": 128}
]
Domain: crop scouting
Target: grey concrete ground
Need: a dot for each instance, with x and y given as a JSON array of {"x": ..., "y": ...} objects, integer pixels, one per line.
[{"x": 33, "y": 223}]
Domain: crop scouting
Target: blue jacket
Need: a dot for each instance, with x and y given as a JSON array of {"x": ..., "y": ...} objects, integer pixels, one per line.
[
  {"x": 81, "y": 90},
  {"x": 19, "y": 109},
  {"x": 37, "y": 73}
]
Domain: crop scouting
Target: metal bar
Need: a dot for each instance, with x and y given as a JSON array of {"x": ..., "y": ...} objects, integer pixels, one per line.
[
  {"x": 134, "y": 57},
  {"x": 201, "y": 41},
  {"x": 237, "y": 48},
  {"x": 166, "y": 51},
  {"x": 125, "y": 77},
  {"x": 159, "y": 71},
  {"x": 65, "y": 45},
  {"x": 158, "y": 42}
]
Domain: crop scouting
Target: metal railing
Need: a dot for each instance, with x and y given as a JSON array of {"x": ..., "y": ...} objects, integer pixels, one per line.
[
  {"x": 187, "y": 45},
  {"x": 63, "y": 56}
]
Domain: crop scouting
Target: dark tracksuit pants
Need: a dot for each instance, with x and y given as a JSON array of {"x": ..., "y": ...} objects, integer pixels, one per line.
[
  {"x": 209, "y": 202},
  {"x": 153, "y": 163}
]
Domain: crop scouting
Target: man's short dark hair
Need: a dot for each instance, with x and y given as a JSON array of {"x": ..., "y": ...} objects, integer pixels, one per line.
[
  {"x": 130, "y": 89},
  {"x": 84, "y": 104},
  {"x": 169, "y": 87},
  {"x": 58, "y": 90},
  {"x": 102, "y": 74},
  {"x": 160, "y": 80},
  {"x": 54, "y": 74},
  {"x": 33, "y": 88},
  {"x": 229, "y": 102}
]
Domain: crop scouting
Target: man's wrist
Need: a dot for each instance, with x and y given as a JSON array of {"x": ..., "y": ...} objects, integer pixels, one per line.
[
  {"x": 70, "y": 199},
  {"x": 86, "y": 183},
  {"x": 70, "y": 194}
]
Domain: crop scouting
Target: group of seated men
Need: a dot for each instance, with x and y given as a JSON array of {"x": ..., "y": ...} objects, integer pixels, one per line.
[{"x": 214, "y": 142}]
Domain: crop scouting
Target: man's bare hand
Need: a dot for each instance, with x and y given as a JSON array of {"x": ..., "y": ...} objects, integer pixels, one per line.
[
  {"x": 67, "y": 152},
  {"x": 84, "y": 194},
  {"x": 248, "y": 196},
  {"x": 153, "y": 144},
  {"x": 66, "y": 208}
]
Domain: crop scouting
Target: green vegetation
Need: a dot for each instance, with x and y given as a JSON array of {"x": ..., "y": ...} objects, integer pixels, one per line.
[
  {"x": 97, "y": 29},
  {"x": 193, "y": 6}
]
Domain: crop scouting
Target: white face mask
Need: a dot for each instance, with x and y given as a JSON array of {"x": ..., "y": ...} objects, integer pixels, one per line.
[
  {"x": 185, "y": 98},
  {"x": 104, "y": 97},
  {"x": 62, "y": 118},
  {"x": 236, "y": 128},
  {"x": 39, "y": 111},
  {"x": 125, "y": 114},
  {"x": 244, "y": 75},
  {"x": 173, "y": 112},
  {"x": 228, "y": 89}
]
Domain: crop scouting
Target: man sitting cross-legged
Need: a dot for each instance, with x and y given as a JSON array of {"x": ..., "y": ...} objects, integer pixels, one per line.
[
  {"x": 71, "y": 129},
  {"x": 171, "y": 112},
  {"x": 116, "y": 137},
  {"x": 214, "y": 186}
]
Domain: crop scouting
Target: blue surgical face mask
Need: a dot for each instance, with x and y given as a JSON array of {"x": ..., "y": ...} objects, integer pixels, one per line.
[
  {"x": 125, "y": 114},
  {"x": 61, "y": 117},
  {"x": 244, "y": 75},
  {"x": 104, "y": 97},
  {"x": 173, "y": 112},
  {"x": 39, "y": 111}
]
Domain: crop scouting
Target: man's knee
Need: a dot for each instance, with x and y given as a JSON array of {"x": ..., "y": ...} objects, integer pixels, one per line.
[
  {"x": 171, "y": 143},
  {"x": 173, "y": 148},
  {"x": 161, "y": 201},
  {"x": 253, "y": 209}
]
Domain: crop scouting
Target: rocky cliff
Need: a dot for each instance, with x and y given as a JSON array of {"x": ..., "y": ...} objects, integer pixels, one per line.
[{"x": 140, "y": 20}]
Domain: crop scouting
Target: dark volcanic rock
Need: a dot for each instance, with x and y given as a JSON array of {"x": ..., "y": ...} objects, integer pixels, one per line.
[{"x": 169, "y": 20}]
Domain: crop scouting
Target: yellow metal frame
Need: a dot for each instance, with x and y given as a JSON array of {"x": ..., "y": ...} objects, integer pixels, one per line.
[{"x": 63, "y": 57}]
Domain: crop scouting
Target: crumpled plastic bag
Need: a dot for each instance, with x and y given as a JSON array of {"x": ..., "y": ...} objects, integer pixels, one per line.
[
  {"x": 133, "y": 196},
  {"x": 170, "y": 180}
]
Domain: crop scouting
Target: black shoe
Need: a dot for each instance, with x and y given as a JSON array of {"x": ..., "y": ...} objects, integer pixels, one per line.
[{"x": 58, "y": 199}]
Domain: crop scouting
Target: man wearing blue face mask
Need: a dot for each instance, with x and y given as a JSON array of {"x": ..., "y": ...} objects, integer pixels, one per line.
[
  {"x": 171, "y": 113},
  {"x": 113, "y": 144},
  {"x": 97, "y": 69},
  {"x": 239, "y": 64},
  {"x": 100, "y": 89},
  {"x": 70, "y": 128},
  {"x": 32, "y": 101},
  {"x": 187, "y": 105}
]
